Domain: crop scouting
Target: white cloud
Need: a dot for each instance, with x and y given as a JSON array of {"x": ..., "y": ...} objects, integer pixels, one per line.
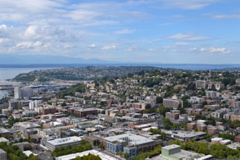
[
  {"x": 92, "y": 46},
  {"x": 125, "y": 31},
  {"x": 109, "y": 47},
  {"x": 215, "y": 50},
  {"x": 133, "y": 49},
  {"x": 29, "y": 44},
  {"x": 188, "y": 37},
  {"x": 165, "y": 24},
  {"x": 49, "y": 33},
  {"x": 192, "y": 49},
  {"x": 177, "y": 16},
  {"x": 226, "y": 16},
  {"x": 2, "y": 40},
  {"x": 3, "y": 30},
  {"x": 181, "y": 44},
  {"x": 152, "y": 49},
  {"x": 187, "y": 4}
]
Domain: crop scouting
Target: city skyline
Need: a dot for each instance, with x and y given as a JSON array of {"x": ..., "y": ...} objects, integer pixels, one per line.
[{"x": 156, "y": 31}]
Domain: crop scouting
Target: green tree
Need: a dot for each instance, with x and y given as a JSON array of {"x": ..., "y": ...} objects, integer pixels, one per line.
[
  {"x": 126, "y": 155},
  {"x": 159, "y": 100}
]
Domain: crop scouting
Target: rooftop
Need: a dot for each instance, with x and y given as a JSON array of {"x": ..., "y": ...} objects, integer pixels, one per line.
[
  {"x": 136, "y": 139},
  {"x": 61, "y": 141},
  {"x": 172, "y": 146},
  {"x": 184, "y": 134},
  {"x": 234, "y": 145},
  {"x": 184, "y": 154},
  {"x": 2, "y": 151},
  {"x": 103, "y": 156}
]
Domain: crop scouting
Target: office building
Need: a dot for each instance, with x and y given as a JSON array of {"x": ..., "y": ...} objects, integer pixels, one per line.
[
  {"x": 174, "y": 152},
  {"x": 130, "y": 143},
  {"x": 63, "y": 142}
]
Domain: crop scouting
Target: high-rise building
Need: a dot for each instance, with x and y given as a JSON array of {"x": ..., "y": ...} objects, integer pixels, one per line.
[
  {"x": 17, "y": 93},
  {"x": 23, "y": 92},
  {"x": 34, "y": 104}
]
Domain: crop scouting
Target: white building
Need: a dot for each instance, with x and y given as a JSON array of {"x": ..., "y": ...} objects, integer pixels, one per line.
[
  {"x": 103, "y": 156},
  {"x": 34, "y": 104},
  {"x": 23, "y": 92},
  {"x": 63, "y": 142}
]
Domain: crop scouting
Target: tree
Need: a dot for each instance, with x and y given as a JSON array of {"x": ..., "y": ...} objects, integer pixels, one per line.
[
  {"x": 126, "y": 155},
  {"x": 227, "y": 136},
  {"x": 148, "y": 106},
  {"x": 63, "y": 104},
  {"x": 204, "y": 103},
  {"x": 96, "y": 142},
  {"x": 120, "y": 153},
  {"x": 163, "y": 110},
  {"x": 159, "y": 100}
]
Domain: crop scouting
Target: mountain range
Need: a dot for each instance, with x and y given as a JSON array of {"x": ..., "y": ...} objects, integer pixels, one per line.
[{"x": 6, "y": 59}]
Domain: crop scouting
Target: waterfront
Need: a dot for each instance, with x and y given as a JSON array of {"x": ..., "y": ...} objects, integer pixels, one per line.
[{"x": 9, "y": 73}]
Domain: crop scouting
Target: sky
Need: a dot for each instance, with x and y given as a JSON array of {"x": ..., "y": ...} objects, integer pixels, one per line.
[{"x": 155, "y": 31}]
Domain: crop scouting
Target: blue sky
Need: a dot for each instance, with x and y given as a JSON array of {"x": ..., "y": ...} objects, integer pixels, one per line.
[{"x": 158, "y": 31}]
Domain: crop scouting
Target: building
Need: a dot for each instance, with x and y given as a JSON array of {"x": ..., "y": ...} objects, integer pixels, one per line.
[
  {"x": 238, "y": 82},
  {"x": 184, "y": 135},
  {"x": 3, "y": 154},
  {"x": 216, "y": 140},
  {"x": 171, "y": 103},
  {"x": 212, "y": 130},
  {"x": 201, "y": 84},
  {"x": 17, "y": 93},
  {"x": 83, "y": 112},
  {"x": 2, "y": 139},
  {"x": 49, "y": 110},
  {"x": 22, "y": 126},
  {"x": 23, "y": 92},
  {"x": 63, "y": 142},
  {"x": 196, "y": 100},
  {"x": 4, "y": 132},
  {"x": 130, "y": 143},
  {"x": 174, "y": 152},
  {"x": 34, "y": 104},
  {"x": 103, "y": 156},
  {"x": 212, "y": 94}
]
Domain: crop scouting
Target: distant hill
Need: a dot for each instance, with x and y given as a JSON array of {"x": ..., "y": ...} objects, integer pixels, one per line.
[{"x": 44, "y": 59}]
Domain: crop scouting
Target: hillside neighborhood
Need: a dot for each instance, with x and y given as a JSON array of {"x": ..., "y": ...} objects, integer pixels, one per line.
[{"x": 154, "y": 114}]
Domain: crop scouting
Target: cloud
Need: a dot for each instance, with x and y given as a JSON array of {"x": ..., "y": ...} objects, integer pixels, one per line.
[
  {"x": 192, "y": 49},
  {"x": 109, "y": 47},
  {"x": 3, "y": 31},
  {"x": 177, "y": 16},
  {"x": 92, "y": 46},
  {"x": 165, "y": 24},
  {"x": 235, "y": 16},
  {"x": 49, "y": 33},
  {"x": 187, "y": 4},
  {"x": 152, "y": 49},
  {"x": 3, "y": 40},
  {"x": 181, "y": 44},
  {"x": 215, "y": 50},
  {"x": 29, "y": 44},
  {"x": 125, "y": 31},
  {"x": 133, "y": 49},
  {"x": 188, "y": 37}
]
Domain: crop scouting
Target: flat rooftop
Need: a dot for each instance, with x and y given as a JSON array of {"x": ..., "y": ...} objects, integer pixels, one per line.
[
  {"x": 103, "y": 156},
  {"x": 133, "y": 138},
  {"x": 171, "y": 146},
  {"x": 61, "y": 141},
  {"x": 184, "y": 154},
  {"x": 234, "y": 145},
  {"x": 184, "y": 134}
]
